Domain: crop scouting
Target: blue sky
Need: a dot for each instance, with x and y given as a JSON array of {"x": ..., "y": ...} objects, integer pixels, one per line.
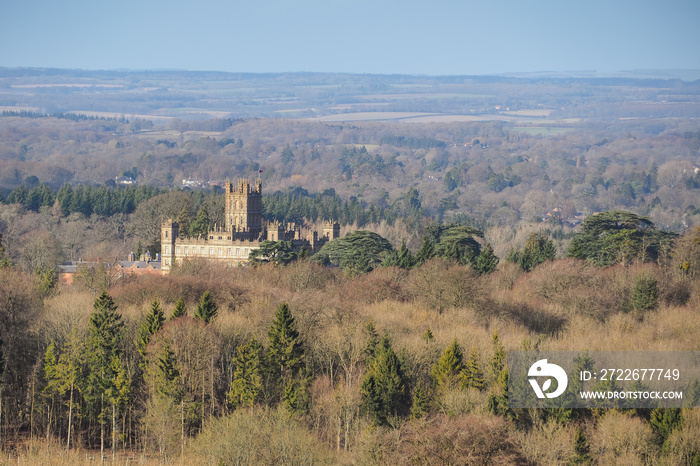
[{"x": 436, "y": 37}]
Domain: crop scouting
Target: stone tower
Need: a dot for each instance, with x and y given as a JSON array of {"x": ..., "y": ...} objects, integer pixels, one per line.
[
  {"x": 169, "y": 232},
  {"x": 244, "y": 209}
]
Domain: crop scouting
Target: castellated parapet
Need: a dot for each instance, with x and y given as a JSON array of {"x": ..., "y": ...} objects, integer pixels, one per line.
[{"x": 243, "y": 232}]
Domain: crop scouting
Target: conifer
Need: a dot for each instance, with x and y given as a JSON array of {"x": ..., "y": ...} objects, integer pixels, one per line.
[
  {"x": 448, "y": 372},
  {"x": 207, "y": 308},
  {"x": 247, "y": 384},
  {"x": 473, "y": 374},
  {"x": 179, "y": 310},
  {"x": 286, "y": 352},
  {"x": 152, "y": 323}
]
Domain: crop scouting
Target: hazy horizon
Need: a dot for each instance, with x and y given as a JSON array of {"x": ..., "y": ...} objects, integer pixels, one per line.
[{"x": 359, "y": 37}]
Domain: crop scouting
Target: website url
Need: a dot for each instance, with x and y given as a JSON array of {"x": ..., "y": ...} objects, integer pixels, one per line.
[{"x": 630, "y": 395}]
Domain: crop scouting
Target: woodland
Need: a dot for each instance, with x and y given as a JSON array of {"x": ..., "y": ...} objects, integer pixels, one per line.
[{"x": 575, "y": 228}]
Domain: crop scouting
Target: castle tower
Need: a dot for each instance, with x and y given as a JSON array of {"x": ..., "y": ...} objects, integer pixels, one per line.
[
  {"x": 244, "y": 208},
  {"x": 169, "y": 232},
  {"x": 331, "y": 230}
]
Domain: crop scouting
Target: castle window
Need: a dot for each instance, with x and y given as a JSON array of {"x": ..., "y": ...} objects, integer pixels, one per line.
[
  {"x": 219, "y": 252},
  {"x": 228, "y": 252},
  {"x": 167, "y": 249},
  {"x": 187, "y": 250},
  {"x": 238, "y": 251},
  {"x": 177, "y": 250},
  {"x": 211, "y": 237},
  {"x": 211, "y": 251},
  {"x": 201, "y": 251},
  {"x": 166, "y": 233}
]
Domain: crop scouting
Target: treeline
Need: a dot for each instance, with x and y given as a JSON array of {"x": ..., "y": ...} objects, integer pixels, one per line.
[
  {"x": 412, "y": 142},
  {"x": 294, "y": 205},
  {"x": 83, "y": 199},
  {"x": 60, "y": 115}
]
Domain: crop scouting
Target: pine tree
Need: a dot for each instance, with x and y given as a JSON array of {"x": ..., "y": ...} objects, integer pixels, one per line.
[
  {"x": 538, "y": 249},
  {"x": 499, "y": 357},
  {"x": 426, "y": 251},
  {"x": 52, "y": 388},
  {"x": 448, "y": 372},
  {"x": 645, "y": 296},
  {"x": 384, "y": 391},
  {"x": 151, "y": 324},
  {"x": 104, "y": 342},
  {"x": 664, "y": 420},
  {"x": 498, "y": 398},
  {"x": 179, "y": 310},
  {"x": 247, "y": 384},
  {"x": 200, "y": 225},
  {"x": 372, "y": 345},
  {"x": 69, "y": 374},
  {"x": 286, "y": 352},
  {"x": 118, "y": 394},
  {"x": 168, "y": 376},
  {"x": 487, "y": 260},
  {"x": 581, "y": 454},
  {"x": 473, "y": 374},
  {"x": 207, "y": 308},
  {"x": 421, "y": 402}
]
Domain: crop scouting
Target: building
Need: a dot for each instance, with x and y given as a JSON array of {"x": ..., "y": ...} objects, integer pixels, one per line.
[
  {"x": 116, "y": 270},
  {"x": 244, "y": 230}
]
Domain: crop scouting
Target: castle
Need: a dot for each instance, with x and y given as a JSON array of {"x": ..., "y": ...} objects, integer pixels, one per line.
[{"x": 244, "y": 230}]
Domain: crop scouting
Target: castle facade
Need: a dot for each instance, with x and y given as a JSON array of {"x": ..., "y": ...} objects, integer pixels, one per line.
[{"x": 244, "y": 230}]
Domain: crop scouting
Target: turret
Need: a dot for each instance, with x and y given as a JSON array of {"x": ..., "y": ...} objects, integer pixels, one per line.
[{"x": 169, "y": 232}]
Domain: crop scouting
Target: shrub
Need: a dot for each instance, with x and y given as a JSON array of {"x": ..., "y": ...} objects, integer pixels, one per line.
[
  {"x": 257, "y": 436},
  {"x": 646, "y": 293}
]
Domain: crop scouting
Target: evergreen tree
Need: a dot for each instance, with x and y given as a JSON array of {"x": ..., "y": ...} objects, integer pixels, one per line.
[
  {"x": 498, "y": 398},
  {"x": 70, "y": 376},
  {"x": 384, "y": 391},
  {"x": 401, "y": 258},
  {"x": 421, "y": 402},
  {"x": 426, "y": 251},
  {"x": 168, "y": 376},
  {"x": 207, "y": 308},
  {"x": 538, "y": 249},
  {"x": 106, "y": 329},
  {"x": 473, "y": 374},
  {"x": 179, "y": 310},
  {"x": 664, "y": 421},
  {"x": 487, "y": 260},
  {"x": 286, "y": 352},
  {"x": 581, "y": 454},
  {"x": 4, "y": 260},
  {"x": 372, "y": 345},
  {"x": 247, "y": 384},
  {"x": 201, "y": 223},
  {"x": 498, "y": 361},
  {"x": 645, "y": 296},
  {"x": 184, "y": 220},
  {"x": 151, "y": 324},
  {"x": 296, "y": 395},
  {"x": 117, "y": 393},
  {"x": 52, "y": 388},
  {"x": 448, "y": 372}
]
